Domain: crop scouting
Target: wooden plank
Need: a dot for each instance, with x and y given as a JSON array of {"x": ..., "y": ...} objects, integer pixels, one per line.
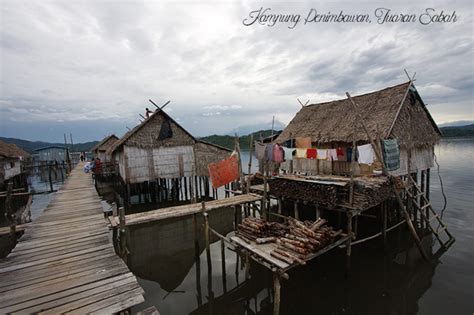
[
  {"x": 65, "y": 259},
  {"x": 88, "y": 298},
  {"x": 70, "y": 293}
]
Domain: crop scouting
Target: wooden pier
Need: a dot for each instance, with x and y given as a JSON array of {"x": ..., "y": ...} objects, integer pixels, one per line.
[{"x": 65, "y": 261}]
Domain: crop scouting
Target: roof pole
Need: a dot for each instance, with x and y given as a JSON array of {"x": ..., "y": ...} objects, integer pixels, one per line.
[{"x": 412, "y": 79}]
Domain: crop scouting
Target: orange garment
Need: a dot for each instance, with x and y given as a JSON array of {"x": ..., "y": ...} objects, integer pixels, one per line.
[
  {"x": 303, "y": 142},
  {"x": 224, "y": 172}
]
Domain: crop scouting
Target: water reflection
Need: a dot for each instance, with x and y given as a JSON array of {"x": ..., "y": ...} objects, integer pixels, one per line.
[{"x": 395, "y": 281}]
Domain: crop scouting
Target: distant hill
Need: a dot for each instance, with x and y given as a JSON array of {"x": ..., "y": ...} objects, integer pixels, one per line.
[
  {"x": 244, "y": 141},
  {"x": 31, "y": 146},
  {"x": 458, "y": 131}
]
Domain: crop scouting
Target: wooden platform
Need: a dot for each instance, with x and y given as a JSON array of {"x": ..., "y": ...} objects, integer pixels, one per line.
[
  {"x": 263, "y": 251},
  {"x": 184, "y": 210},
  {"x": 65, "y": 262}
]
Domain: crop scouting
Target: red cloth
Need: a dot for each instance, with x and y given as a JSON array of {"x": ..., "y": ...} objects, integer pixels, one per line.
[
  {"x": 311, "y": 153},
  {"x": 340, "y": 151},
  {"x": 224, "y": 172}
]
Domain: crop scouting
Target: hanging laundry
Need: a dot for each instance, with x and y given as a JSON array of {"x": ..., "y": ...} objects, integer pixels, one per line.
[
  {"x": 269, "y": 152},
  {"x": 391, "y": 154},
  {"x": 224, "y": 172},
  {"x": 259, "y": 150},
  {"x": 311, "y": 153},
  {"x": 300, "y": 153},
  {"x": 332, "y": 155},
  {"x": 366, "y": 154},
  {"x": 277, "y": 154},
  {"x": 290, "y": 143},
  {"x": 288, "y": 153},
  {"x": 303, "y": 142},
  {"x": 322, "y": 154},
  {"x": 349, "y": 154},
  {"x": 341, "y": 154}
]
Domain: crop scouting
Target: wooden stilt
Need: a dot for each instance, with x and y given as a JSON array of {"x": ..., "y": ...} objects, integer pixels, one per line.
[
  {"x": 224, "y": 276},
  {"x": 276, "y": 298},
  {"x": 295, "y": 207},
  {"x": 384, "y": 223},
  {"x": 247, "y": 266},
  {"x": 349, "y": 243}
]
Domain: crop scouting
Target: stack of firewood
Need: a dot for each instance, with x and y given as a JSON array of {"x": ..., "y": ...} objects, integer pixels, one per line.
[
  {"x": 303, "y": 239},
  {"x": 323, "y": 195},
  {"x": 295, "y": 240}
]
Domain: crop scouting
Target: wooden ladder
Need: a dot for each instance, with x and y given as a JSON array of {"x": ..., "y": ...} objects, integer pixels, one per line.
[{"x": 426, "y": 210}]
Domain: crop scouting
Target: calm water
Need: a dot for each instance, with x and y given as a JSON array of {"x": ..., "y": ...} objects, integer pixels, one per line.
[{"x": 396, "y": 281}]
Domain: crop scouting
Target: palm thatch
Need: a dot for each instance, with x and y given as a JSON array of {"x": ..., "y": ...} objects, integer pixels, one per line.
[
  {"x": 105, "y": 143},
  {"x": 11, "y": 151},
  {"x": 336, "y": 121}
]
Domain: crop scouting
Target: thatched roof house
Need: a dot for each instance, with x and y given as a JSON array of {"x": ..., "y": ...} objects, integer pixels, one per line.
[
  {"x": 161, "y": 148},
  {"x": 10, "y": 160},
  {"x": 100, "y": 149},
  {"x": 334, "y": 124}
]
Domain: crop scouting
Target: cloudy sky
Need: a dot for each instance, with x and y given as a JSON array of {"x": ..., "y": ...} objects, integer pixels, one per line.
[{"x": 89, "y": 67}]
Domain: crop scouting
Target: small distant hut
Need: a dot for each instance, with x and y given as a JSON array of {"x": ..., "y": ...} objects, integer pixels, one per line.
[
  {"x": 100, "y": 149},
  {"x": 11, "y": 159},
  {"x": 160, "y": 158}
]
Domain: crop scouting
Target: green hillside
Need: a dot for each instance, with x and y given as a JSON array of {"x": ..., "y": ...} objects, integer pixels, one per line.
[
  {"x": 31, "y": 146},
  {"x": 244, "y": 141},
  {"x": 458, "y": 131}
]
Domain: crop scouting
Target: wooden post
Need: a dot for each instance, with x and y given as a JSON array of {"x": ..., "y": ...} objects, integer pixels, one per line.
[
  {"x": 208, "y": 239},
  {"x": 265, "y": 190},
  {"x": 384, "y": 223},
  {"x": 50, "y": 177},
  {"x": 123, "y": 238},
  {"x": 197, "y": 259},
  {"x": 422, "y": 188},
  {"x": 276, "y": 289},
  {"x": 247, "y": 265},
  {"x": 224, "y": 276},
  {"x": 250, "y": 163},
  {"x": 351, "y": 187},
  {"x": 295, "y": 207},
  {"x": 427, "y": 191},
  {"x": 9, "y": 211},
  {"x": 349, "y": 242},
  {"x": 280, "y": 206}
]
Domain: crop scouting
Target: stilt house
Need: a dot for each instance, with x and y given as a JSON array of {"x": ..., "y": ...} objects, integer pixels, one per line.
[
  {"x": 159, "y": 148},
  {"x": 100, "y": 149},
  {"x": 11, "y": 158}
]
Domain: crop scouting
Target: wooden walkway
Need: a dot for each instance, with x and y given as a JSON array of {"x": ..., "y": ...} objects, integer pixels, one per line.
[
  {"x": 65, "y": 262},
  {"x": 189, "y": 209}
]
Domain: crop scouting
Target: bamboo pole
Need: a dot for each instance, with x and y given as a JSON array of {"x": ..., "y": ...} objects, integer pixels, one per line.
[{"x": 224, "y": 276}]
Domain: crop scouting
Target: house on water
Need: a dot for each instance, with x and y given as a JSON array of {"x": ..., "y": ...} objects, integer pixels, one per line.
[
  {"x": 160, "y": 160},
  {"x": 100, "y": 149},
  {"x": 349, "y": 154},
  {"x": 11, "y": 162},
  {"x": 53, "y": 153}
]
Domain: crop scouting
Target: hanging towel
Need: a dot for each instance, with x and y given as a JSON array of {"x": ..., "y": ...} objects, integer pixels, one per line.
[
  {"x": 332, "y": 155},
  {"x": 269, "y": 152},
  {"x": 366, "y": 154},
  {"x": 300, "y": 153},
  {"x": 349, "y": 154},
  {"x": 288, "y": 153},
  {"x": 259, "y": 150},
  {"x": 341, "y": 154},
  {"x": 311, "y": 153},
  {"x": 322, "y": 154},
  {"x": 303, "y": 142},
  {"x": 391, "y": 154},
  {"x": 277, "y": 154},
  {"x": 224, "y": 172}
]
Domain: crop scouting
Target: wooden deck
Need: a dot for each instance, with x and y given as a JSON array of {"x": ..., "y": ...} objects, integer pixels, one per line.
[
  {"x": 65, "y": 262},
  {"x": 184, "y": 210}
]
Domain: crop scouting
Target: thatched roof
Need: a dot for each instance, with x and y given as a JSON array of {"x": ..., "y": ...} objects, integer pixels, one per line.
[
  {"x": 336, "y": 121},
  {"x": 105, "y": 143},
  {"x": 10, "y": 150},
  {"x": 153, "y": 119}
]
